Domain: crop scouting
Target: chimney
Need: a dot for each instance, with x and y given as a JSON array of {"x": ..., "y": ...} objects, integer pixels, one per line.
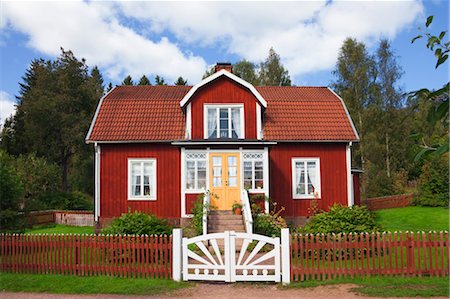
[{"x": 223, "y": 66}]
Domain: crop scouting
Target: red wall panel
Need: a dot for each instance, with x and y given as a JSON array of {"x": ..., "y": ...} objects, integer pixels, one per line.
[
  {"x": 332, "y": 174},
  {"x": 114, "y": 179},
  {"x": 356, "y": 189},
  {"x": 223, "y": 91}
]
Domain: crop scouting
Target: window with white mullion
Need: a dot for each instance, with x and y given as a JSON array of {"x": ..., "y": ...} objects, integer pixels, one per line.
[
  {"x": 224, "y": 121},
  {"x": 195, "y": 173},
  {"x": 142, "y": 179},
  {"x": 306, "y": 178},
  {"x": 254, "y": 172}
]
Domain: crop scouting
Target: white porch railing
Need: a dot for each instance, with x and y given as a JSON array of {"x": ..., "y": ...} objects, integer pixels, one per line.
[
  {"x": 206, "y": 200},
  {"x": 247, "y": 212}
]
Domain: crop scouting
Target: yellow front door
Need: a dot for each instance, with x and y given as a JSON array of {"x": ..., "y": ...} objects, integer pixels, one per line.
[{"x": 224, "y": 178}]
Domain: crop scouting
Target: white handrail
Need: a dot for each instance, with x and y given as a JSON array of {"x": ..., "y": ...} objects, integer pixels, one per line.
[
  {"x": 247, "y": 212},
  {"x": 205, "y": 212}
]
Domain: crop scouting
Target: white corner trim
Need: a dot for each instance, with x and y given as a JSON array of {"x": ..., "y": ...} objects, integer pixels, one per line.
[
  {"x": 94, "y": 119},
  {"x": 97, "y": 181},
  {"x": 217, "y": 75},
  {"x": 188, "y": 122},
  {"x": 348, "y": 154},
  {"x": 258, "y": 122},
  {"x": 346, "y": 112},
  {"x": 183, "y": 183},
  {"x": 266, "y": 178}
]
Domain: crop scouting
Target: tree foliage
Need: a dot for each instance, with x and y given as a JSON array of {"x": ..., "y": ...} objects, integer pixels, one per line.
[
  {"x": 272, "y": 72},
  {"x": 144, "y": 81},
  {"x": 180, "y": 81},
  {"x": 159, "y": 80},
  {"x": 246, "y": 70},
  {"x": 128, "y": 81}
]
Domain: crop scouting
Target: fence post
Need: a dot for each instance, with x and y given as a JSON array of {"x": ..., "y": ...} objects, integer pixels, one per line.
[
  {"x": 285, "y": 256},
  {"x": 177, "y": 238}
]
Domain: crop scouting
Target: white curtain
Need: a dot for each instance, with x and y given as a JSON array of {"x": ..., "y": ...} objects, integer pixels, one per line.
[
  {"x": 212, "y": 123},
  {"x": 298, "y": 174},
  {"x": 236, "y": 121},
  {"x": 312, "y": 174}
]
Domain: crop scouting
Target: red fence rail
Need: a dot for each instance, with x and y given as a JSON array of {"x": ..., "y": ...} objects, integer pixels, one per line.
[
  {"x": 87, "y": 255},
  {"x": 388, "y": 202},
  {"x": 322, "y": 257}
]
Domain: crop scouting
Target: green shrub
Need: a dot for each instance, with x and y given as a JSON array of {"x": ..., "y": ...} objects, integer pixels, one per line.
[
  {"x": 342, "y": 219},
  {"x": 138, "y": 223},
  {"x": 197, "y": 218},
  {"x": 64, "y": 201},
  {"x": 434, "y": 183},
  {"x": 267, "y": 224}
]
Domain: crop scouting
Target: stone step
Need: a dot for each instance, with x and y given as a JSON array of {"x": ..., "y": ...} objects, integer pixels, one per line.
[
  {"x": 222, "y": 228},
  {"x": 224, "y": 217},
  {"x": 221, "y": 212},
  {"x": 226, "y": 221}
]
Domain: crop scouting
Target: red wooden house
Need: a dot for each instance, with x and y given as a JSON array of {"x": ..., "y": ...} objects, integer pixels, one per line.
[{"x": 158, "y": 147}]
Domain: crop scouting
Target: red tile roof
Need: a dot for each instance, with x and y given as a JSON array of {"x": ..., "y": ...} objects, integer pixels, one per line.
[{"x": 153, "y": 113}]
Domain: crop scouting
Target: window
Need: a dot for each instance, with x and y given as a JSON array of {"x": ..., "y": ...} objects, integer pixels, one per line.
[
  {"x": 142, "y": 179},
  {"x": 254, "y": 171},
  {"x": 224, "y": 121},
  {"x": 195, "y": 171},
  {"x": 305, "y": 178}
]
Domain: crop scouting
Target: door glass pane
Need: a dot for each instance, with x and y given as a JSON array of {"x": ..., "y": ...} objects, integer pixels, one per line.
[
  {"x": 232, "y": 182},
  {"x": 232, "y": 161},
  {"x": 232, "y": 171},
  {"x": 217, "y": 171}
]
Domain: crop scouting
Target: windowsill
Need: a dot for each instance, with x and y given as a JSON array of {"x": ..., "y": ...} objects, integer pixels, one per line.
[
  {"x": 192, "y": 191},
  {"x": 142, "y": 198},
  {"x": 256, "y": 191},
  {"x": 305, "y": 197}
]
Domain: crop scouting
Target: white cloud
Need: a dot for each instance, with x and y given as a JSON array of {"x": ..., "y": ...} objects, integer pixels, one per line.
[
  {"x": 93, "y": 31},
  {"x": 307, "y": 34},
  {"x": 7, "y": 107}
]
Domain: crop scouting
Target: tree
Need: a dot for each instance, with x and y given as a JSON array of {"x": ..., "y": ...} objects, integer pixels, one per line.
[
  {"x": 272, "y": 72},
  {"x": 438, "y": 111},
  {"x": 144, "y": 81},
  {"x": 209, "y": 72},
  {"x": 128, "y": 81},
  {"x": 355, "y": 76},
  {"x": 56, "y": 103},
  {"x": 11, "y": 192},
  {"x": 180, "y": 81},
  {"x": 110, "y": 86},
  {"x": 159, "y": 80},
  {"x": 246, "y": 70}
]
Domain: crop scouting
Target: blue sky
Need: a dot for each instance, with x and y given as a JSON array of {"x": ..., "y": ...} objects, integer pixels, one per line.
[{"x": 173, "y": 38}]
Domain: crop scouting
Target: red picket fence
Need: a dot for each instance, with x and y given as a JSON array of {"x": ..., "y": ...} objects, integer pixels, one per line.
[
  {"x": 322, "y": 257},
  {"x": 88, "y": 255}
]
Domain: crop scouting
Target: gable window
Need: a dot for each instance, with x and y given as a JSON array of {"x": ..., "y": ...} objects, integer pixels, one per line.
[
  {"x": 224, "y": 121},
  {"x": 305, "y": 178},
  {"x": 254, "y": 171},
  {"x": 142, "y": 179},
  {"x": 195, "y": 171}
]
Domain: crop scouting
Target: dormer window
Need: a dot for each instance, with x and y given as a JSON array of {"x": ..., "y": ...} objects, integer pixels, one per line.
[{"x": 224, "y": 121}]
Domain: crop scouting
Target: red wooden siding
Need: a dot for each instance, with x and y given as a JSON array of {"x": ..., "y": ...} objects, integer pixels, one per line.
[
  {"x": 223, "y": 91},
  {"x": 333, "y": 175},
  {"x": 114, "y": 179},
  {"x": 190, "y": 200}
]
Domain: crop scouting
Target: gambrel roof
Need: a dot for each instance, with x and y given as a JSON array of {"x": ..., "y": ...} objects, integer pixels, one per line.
[{"x": 153, "y": 114}]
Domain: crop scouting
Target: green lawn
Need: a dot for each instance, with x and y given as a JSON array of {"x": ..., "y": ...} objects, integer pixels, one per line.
[
  {"x": 414, "y": 219},
  {"x": 60, "y": 229},
  {"x": 67, "y": 284},
  {"x": 378, "y": 286}
]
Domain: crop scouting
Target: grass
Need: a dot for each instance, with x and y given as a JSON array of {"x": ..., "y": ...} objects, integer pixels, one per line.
[
  {"x": 60, "y": 229},
  {"x": 378, "y": 286},
  {"x": 414, "y": 219},
  {"x": 60, "y": 284}
]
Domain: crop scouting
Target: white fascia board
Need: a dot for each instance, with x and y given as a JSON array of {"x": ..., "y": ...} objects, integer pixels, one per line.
[
  {"x": 217, "y": 75},
  {"x": 94, "y": 119},
  {"x": 346, "y": 112}
]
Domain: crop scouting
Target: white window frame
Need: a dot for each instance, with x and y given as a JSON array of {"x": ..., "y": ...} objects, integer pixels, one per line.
[
  {"x": 196, "y": 160},
  {"x": 253, "y": 160},
  {"x": 152, "y": 182},
  {"x": 295, "y": 195},
  {"x": 217, "y": 107}
]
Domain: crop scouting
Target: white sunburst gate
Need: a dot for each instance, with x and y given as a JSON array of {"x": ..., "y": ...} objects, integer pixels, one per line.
[{"x": 231, "y": 257}]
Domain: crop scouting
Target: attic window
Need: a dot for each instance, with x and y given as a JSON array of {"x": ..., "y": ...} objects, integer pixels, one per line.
[{"x": 224, "y": 121}]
